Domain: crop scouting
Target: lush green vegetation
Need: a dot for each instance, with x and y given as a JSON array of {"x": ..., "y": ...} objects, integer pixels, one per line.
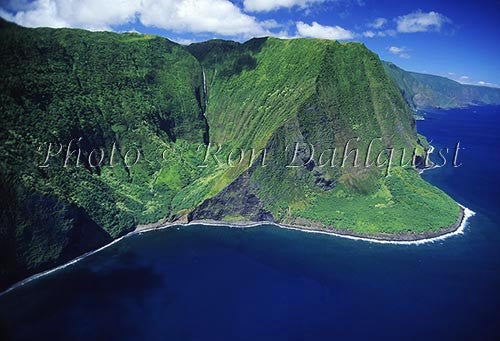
[
  {"x": 429, "y": 91},
  {"x": 343, "y": 93},
  {"x": 119, "y": 92},
  {"x": 129, "y": 90},
  {"x": 402, "y": 203}
]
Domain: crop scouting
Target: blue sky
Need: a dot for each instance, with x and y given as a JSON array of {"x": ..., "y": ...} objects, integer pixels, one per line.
[{"x": 455, "y": 39}]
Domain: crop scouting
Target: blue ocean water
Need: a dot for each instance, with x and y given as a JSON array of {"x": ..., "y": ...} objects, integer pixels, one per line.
[{"x": 266, "y": 283}]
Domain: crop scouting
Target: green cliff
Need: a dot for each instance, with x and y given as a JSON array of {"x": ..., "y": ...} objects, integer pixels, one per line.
[
  {"x": 114, "y": 94},
  {"x": 322, "y": 93},
  {"x": 110, "y": 90}
]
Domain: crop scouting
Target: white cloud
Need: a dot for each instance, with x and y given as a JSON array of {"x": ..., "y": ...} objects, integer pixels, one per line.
[
  {"x": 470, "y": 81},
  {"x": 132, "y": 30},
  {"x": 213, "y": 16},
  {"x": 402, "y": 52},
  {"x": 390, "y": 33},
  {"x": 325, "y": 32},
  {"x": 271, "y": 23},
  {"x": 369, "y": 34},
  {"x": 421, "y": 22},
  {"x": 396, "y": 50},
  {"x": 492, "y": 85},
  {"x": 217, "y": 16},
  {"x": 183, "y": 41},
  {"x": 271, "y": 5},
  {"x": 378, "y": 23},
  {"x": 414, "y": 22},
  {"x": 89, "y": 14},
  {"x": 385, "y": 33},
  {"x": 285, "y": 34}
]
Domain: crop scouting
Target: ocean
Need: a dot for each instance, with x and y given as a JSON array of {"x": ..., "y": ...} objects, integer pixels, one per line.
[{"x": 267, "y": 283}]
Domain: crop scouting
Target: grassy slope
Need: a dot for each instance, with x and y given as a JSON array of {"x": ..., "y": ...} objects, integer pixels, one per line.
[
  {"x": 426, "y": 91},
  {"x": 402, "y": 203}
]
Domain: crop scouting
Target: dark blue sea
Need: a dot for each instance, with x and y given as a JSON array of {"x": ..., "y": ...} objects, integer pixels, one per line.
[{"x": 266, "y": 283}]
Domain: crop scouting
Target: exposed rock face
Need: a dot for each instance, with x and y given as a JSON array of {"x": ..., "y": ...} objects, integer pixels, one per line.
[{"x": 239, "y": 199}]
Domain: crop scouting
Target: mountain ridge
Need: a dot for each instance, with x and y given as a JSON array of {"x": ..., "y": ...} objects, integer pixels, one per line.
[{"x": 425, "y": 91}]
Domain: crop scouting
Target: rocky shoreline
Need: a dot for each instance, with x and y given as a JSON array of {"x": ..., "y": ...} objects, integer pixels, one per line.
[
  {"x": 387, "y": 237},
  {"x": 308, "y": 226}
]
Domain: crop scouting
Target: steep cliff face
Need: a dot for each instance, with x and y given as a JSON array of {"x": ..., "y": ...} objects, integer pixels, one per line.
[
  {"x": 78, "y": 94},
  {"x": 269, "y": 94},
  {"x": 113, "y": 95},
  {"x": 429, "y": 91}
]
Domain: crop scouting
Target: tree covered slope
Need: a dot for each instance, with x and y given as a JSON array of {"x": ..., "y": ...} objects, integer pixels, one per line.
[
  {"x": 119, "y": 93},
  {"x": 429, "y": 91},
  {"x": 107, "y": 89}
]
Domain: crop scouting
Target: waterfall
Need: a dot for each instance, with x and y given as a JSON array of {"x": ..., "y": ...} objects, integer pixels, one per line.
[
  {"x": 206, "y": 135},
  {"x": 205, "y": 88}
]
